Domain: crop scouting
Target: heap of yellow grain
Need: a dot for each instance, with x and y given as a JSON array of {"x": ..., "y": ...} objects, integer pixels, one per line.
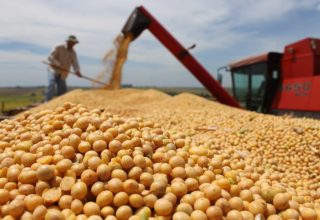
[{"x": 132, "y": 154}]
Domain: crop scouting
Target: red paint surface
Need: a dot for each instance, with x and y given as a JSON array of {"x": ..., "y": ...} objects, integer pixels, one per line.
[
  {"x": 301, "y": 59},
  {"x": 300, "y": 83}
]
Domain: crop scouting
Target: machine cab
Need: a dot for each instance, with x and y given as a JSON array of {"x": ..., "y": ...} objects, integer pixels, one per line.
[{"x": 255, "y": 80}]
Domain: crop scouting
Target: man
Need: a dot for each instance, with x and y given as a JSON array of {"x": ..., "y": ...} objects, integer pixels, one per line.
[{"x": 61, "y": 59}]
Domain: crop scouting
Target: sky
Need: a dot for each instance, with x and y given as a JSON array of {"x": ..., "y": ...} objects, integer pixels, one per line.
[{"x": 223, "y": 30}]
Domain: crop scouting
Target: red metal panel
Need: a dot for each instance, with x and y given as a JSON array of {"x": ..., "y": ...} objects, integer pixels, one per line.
[
  {"x": 301, "y": 59},
  {"x": 189, "y": 61},
  {"x": 298, "y": 94},
  {"x": 314, "y": 100}
]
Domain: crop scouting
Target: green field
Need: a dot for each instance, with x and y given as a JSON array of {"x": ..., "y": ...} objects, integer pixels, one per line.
[{"x": 16, "y": 97}]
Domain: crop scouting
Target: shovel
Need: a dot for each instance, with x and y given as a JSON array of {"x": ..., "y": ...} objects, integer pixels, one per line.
[{"x": 84, "y": 77}]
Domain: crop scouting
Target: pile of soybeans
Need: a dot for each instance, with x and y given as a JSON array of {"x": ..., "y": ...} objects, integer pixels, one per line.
[{"x": 141, "y": 154}]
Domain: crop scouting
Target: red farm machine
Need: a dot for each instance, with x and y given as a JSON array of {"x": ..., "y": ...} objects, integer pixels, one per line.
[{"x": 276, "y": 83}]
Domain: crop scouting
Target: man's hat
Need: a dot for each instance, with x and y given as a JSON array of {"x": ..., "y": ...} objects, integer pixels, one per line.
[{"x": 73, "y": 38}]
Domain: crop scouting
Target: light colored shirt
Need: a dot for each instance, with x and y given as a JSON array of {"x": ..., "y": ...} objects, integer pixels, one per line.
[{"x": 64, "y": 58}]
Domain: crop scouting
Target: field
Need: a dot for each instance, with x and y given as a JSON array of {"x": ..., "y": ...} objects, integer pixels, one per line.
[
  {"x": 17, "y": 97},
  {"x": 13, "y": 98}
]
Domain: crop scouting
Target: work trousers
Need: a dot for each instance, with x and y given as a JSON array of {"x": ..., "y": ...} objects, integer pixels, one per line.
[{"x": 57, "y": 86}]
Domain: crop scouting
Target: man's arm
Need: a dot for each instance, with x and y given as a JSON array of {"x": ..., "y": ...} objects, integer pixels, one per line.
[
  {"x": 53, "y": 57},
  {"x": 75, "y": 65}
]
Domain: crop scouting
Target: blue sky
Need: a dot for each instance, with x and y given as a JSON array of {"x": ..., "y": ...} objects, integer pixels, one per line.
[{"x": 223, "y": 30}]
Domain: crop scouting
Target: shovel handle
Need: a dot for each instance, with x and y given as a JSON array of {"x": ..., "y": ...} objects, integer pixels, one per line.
[{"x": 85, "y": 77}]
